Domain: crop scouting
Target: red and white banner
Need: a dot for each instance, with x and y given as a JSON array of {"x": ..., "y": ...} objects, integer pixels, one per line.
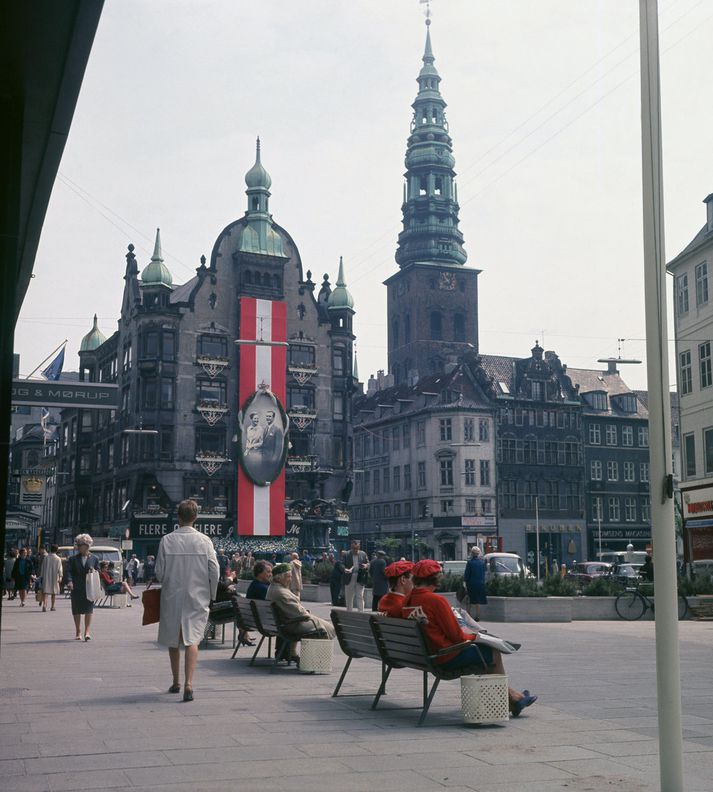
[{"x": 261, "y": 510}]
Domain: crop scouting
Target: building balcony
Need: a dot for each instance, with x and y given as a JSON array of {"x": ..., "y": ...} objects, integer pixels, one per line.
[
  {"x": 212, "y": 364},
  {"x": 212, "y": 411}
]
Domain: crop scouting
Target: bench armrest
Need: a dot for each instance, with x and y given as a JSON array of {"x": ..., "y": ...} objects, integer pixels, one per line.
[{"x": 450, "y": 649}]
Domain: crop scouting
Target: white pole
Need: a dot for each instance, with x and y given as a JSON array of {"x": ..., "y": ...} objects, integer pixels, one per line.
[
  {"x": 668, "y": 676},
  {"x": 537, "y": 537}
]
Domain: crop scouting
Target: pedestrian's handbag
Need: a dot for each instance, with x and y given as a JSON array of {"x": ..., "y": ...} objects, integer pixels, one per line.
[
  {"x": 93, "y": 585},
  {"x": 151, "y": 600},
  {"x": 462, "y": 592}
]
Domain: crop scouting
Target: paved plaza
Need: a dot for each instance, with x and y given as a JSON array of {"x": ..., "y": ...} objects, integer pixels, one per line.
[{"x": 84, "y": 716}]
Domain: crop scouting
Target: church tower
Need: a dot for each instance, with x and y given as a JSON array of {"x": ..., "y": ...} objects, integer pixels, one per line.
[{"x": 432, "y": 301}]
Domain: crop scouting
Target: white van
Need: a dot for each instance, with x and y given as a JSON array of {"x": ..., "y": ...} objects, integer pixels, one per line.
[{"x": 102, "y": 553}]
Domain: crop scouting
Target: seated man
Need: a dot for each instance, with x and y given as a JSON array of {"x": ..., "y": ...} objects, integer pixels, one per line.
[
  {"x": 299, "y": 621},
  {"x": 400, "y": 582},
  {"x": 442, "y": 630}
]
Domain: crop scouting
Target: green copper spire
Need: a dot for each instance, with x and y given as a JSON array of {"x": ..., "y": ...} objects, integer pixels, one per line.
[
  {"x": 258, "y": 235},
  {"x": 430, "y": 210},
  {"x": 340, "y": 298},
  {"x": 157, "y": 273},
  {"x": 93, "y": 339},
  {"x": 355, "y": 367}
]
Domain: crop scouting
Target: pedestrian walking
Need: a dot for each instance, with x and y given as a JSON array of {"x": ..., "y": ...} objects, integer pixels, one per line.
[
  {"x": 356, "y": 574},
  {"x": 132, "y": 570},
  {"x": 22, "y": 574},
  {"x": 380, "y": 585},
  {"x": 336, "y": 582},
  {"x": 149, "y": 568},
  {"x": 80, "y": 565},
  {"x": 51, "y": 573},
  {"x": 8, "y": 581},
  {"x": 187, "y": 568},
  {"x": 474, "y": 579}
]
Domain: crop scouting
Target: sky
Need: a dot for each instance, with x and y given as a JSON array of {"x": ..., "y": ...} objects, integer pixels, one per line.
[{"x": 544, "y": 112}]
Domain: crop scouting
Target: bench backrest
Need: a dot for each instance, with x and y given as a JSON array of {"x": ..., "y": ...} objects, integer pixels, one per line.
[
  {"x": 245, "y": 614},
  {"x": 265, "y": 621},
  {"x": 354, "y": 633},
  {"x": 401, "y": 643}
]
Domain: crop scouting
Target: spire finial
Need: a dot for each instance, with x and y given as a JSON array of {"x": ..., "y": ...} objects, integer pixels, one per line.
[
  {"x": 340, "y": 275},
  {"x": 257, "y": 150},
  {"x": 96, "y": 323},
  {"x": 157, "y": 247}
]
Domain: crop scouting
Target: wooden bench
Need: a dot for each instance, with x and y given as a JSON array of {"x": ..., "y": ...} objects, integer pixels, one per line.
[
  {"x": 267, "y": 624},
  {"x": 402, "y": 644},
  {"x": 246, "y": 622},
  {"x": 356, "y": 639}
]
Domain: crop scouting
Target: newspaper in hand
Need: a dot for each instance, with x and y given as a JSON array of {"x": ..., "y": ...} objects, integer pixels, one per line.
[{"x": 468, "y": 623}]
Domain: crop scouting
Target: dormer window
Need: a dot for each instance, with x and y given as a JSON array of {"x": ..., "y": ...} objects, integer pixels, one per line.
[
  {"x": 597, "y": 400},
  {"x": 626, "y": 403},
  {"x": 536, "y": 390}
]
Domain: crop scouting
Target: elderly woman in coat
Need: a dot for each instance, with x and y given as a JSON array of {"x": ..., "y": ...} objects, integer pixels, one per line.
[
  {"x": 187, "y": 568},
  {"x": 79, "y": 566},
  {"x": 298, "y": 621}
]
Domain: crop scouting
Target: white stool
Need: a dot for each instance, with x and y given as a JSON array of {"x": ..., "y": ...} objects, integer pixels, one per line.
[
  {"x": 316, "y": 655},
  {"x": 484, "y": 699}
]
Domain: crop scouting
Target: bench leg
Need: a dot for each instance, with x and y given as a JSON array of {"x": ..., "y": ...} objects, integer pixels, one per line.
[
  {"x": 278, "y": 655},
  {"x": 427, "y": 700},
  {"x": 252, "y": 659},
  {"x": 341, "y": 678},
  {"x": 382, "y": 688}
]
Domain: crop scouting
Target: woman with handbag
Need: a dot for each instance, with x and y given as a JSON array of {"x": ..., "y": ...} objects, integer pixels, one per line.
[{"x": 81, "y": 566}]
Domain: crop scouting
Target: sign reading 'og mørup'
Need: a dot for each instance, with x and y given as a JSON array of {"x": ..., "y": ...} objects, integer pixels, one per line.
[{"x": 93, "y": 395}]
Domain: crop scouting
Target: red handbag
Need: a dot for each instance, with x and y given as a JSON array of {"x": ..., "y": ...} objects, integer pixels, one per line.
[{"x": 151, "y": 600}]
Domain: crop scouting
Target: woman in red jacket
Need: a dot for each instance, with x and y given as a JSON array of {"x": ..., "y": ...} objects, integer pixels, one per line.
[
  {"x": 442, "y": 630},
  {"x": 110, "y": 585}
]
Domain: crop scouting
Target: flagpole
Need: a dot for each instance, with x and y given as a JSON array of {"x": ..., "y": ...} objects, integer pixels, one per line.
[
  {"x": 64, "y": 343},
  {"x": 668, "y": 672}
]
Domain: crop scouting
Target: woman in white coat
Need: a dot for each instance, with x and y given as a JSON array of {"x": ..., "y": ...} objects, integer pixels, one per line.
[{"x": 187, "y": 568}]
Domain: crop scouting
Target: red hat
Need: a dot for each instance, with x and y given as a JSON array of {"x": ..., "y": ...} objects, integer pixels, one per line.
[
  {"x": 426, "y": 568},
  {"x": 398, "y": 568}
]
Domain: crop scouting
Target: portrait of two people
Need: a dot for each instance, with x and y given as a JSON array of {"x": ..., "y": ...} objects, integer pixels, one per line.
[{"x": 263, "y": 438}]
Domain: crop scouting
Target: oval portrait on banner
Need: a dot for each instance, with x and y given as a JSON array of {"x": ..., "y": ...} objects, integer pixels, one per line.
[{"x": 263, "y": 437}]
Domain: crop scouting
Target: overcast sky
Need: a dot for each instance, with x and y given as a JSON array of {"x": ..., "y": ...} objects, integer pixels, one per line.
[{"x": 543, "y": 106}]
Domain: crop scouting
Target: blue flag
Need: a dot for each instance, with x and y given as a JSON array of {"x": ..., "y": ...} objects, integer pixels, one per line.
[{"x": 54, "y": 370}]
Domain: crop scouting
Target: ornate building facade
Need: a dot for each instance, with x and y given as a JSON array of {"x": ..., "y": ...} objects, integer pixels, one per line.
[{"x": 175, "y": 361}]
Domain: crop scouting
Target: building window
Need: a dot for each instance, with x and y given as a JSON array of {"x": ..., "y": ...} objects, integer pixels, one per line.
[
  {"x": 421, "y": 433},
  {"x": 595, "y": 470},
  {"x": 406, "y": 435},
  {"x": 213, "y": 391},
  {"x": 338, "y": 451},
  {"x": 395, "y": 438},
  {"x": 685, "y": 372},
  {"x": 627, "y": 435},
  {"x": 446, "y": 429},
  {"x": 611, "y": 435},
  {"x": 595, "y": 434},
  {"x": 629, "y": 471},
  {"x": 150, "y": 344},
  {"x": 367, "y": 482},
  {"x": 407, "y": 477},
  {"x": 421, "y": 475},
  {"x": 689, "y": 454},
  {"x": 486, "y": 506},
  {"x": 483, "y": 430},
  {"x": 470, "y": 473},
  {"x": 643, "y": 437},
  {"x": 644, "y": 472},
  {"x": 597, "y": 509},
  {"x": 484, "y": 472},
  {"x": 166, "y": 394},
  {"x": 446, "y": 507},
  {"x": 212, "y": 346},
  {"x": 509, "y": 495},
  {"x": 470, "y": 505},
  {"x": 704, "y": 364},
  {"x": 377, "y": 483},
  {"x": 301, "y": 397},
  {"x": 338, "y": 362},
  {"x": 536, "y": 390},
  {"x": 630, "y": 509},
  {"x": 446, "y": 472},
  {"x": 614, "y": 510},
  {"x": 468, "y": 430},
  {"x": 598, "y": 400},
  {"x": 302, "y": 355},
  {"x": 168, "y": 345},
  {"x": 149, "y": 394},
  {"x": 396, "y": 478},
  {"x": 436, "y": 326},
  {"x": 127, "y": 357},
  {"x": 210, "y": 441},
  {"x": 407, "y": 509},
  {"x": 386, "y": 474},
  {"x": 682, "y": 293},
  {"x": 708, "y": 450},
  {"x": 613, "y": 471},
  {"x": 702, "y": 283},
  {"x": 645, "y": 510}
]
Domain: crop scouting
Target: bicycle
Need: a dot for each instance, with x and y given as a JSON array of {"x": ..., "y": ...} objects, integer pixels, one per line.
[{"x": 632, "y": 604}]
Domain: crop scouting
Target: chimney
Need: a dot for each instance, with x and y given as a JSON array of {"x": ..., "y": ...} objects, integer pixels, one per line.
[
  {"x": 371, "y": 387},
  {"x": 709, "y": 212},
  {"x": 611, "y": 367}
]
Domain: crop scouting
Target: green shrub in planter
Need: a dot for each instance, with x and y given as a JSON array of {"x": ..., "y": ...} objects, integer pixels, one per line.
[
  {"x": 322, "y": 572},
  {"x": 450, "y": 582},
  {"x": 556, "y": 586},
  {"x": 513, "y": 586},
  {"x": 246, "y": 574},
  {"x": 701, "y": 584},
  {"x": 602, "y": 587}
]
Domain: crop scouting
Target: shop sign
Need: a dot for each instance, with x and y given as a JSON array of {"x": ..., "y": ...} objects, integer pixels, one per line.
[
  {"x": 484, "y": 520},
  {"x": 65, "y": 394},
  {"x": 148, "y": 528},
  {"x": 622, "y": 533},
  {"x": 697, "y": 503}
]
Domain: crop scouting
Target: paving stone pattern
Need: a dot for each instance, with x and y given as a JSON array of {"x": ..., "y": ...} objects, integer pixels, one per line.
[{"x": 91, "y": 716}]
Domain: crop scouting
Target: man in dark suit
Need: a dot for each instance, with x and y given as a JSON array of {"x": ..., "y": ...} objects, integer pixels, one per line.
[
  {"x": 356, "y": 573},
  {"x": 272, "y": 441}
]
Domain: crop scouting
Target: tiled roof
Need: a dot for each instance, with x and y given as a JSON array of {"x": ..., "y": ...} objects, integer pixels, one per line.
[
  {"x": 500, "y": 369},
  {"x": 182, "y": 293},
  {"x": 591, "y": 381},
  {"x": 702, "y": 236}
]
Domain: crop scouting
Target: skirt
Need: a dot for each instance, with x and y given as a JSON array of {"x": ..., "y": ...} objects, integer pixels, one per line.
[{"x": 80, "y": 604}]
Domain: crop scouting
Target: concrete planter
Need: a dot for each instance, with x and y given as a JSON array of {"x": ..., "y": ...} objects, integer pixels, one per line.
[
  {"x": 527, "y": 609},
  {"x": 593, "y": 608},
  {"x": 316, "y": 592}
]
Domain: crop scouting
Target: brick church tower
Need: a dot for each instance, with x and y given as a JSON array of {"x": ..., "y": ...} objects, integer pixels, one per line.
[{"x": 432, "y": 301}]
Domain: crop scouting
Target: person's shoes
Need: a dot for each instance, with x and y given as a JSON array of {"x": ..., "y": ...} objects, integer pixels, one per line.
[
  {"x": 77, "y": 637},
  {"x": 22, "y": 604},
  {"x": 87, "y": 637},
  {"x": 44, "y": 610},
  {"x": 134, "y": 596},
  {"x": 53, "y": 609},
  {"x": 175, "y": 688},
  {"x": 188, "y": 694},
  {"x": 526, "y": 701}
]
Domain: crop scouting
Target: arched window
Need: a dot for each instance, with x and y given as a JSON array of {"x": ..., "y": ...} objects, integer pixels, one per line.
[
  {"x": 458, "y": 327},
  {"x": 248, "y": 277},
  {"x": 256, "y": 203},
  {"x": 277, "y": 281},
  {"x": 436, "y": 325}
]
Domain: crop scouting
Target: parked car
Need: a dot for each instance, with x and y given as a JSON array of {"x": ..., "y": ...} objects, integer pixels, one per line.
[
  {"x": 586, "y": 571},
  {"x": 504, "y": 565},
  {"x": 626, "y": 573},
  {"x": 453, "y": 567}
]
